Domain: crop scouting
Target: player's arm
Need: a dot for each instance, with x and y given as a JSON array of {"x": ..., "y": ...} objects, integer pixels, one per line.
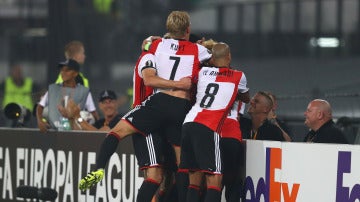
[
  {"x": 244, "y": 97},
  {"x": 148, "y": 72},
  {"x": 243, "y": 91},
  {"x": 151, "y": 79},
  {"x": 204, "y": 55},
  {"x": 145, "y": 46}
]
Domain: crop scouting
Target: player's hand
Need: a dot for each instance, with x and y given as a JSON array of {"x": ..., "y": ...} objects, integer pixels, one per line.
[
  {"x": 147, "y": 42},
  {"x": 184, "y": 83},
  {"x": 200, "y": 41}
]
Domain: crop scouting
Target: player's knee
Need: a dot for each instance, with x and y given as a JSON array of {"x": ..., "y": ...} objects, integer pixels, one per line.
[
  {"x": 214, "y": 180},
  {"x": 156, "y": 174},
  {"x": 123, "y": 129}
]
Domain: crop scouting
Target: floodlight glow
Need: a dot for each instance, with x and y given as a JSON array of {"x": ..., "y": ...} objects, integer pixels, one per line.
[
  {"x": 35, "y": 32},
  {"x": 325, "y": 42}
]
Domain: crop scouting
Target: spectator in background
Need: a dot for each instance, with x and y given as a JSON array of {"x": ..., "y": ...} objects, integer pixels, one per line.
[
  {"x": 58, "y": 94},
  {"x": 276, "y": 121},
  {"x": 18, "y": 89},
  {"x": 318, "y": 117},
  {"x": 261, "y": 128},
  {"x": 108, "y": 105},
  {"x": 245, "y": 125},
  {"x": 75, "y": 50}
]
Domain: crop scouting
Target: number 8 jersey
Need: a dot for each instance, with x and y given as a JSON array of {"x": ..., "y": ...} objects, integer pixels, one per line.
[{"x": 217, "y": 89}]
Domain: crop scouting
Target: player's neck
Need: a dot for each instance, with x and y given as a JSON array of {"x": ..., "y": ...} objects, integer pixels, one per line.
[
  {"x": 221, "y": 63},
  {"x": 181, "y": 38}
]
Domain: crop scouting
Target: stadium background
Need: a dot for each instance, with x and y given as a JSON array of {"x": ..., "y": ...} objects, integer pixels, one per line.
[{"x": 279, "y": 44}]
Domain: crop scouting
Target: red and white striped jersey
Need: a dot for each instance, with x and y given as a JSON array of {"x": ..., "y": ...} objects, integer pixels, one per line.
[
  {"x": 176, "y": 59},
  {"x": 140, "y": 91},
  {"x": 242, "y": 108},
  {"x": 231, "y": 127},
  {"x": 217, "y": 89}
]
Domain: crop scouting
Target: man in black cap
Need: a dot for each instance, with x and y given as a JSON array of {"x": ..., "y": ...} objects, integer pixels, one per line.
[
  {"x": 58, "y": 95},
  {"x": 75, "y": 50},
  {"x": 108, "y": 105}
]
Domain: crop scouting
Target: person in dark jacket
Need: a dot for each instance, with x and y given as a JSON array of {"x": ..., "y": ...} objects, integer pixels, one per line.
[
  {"x": 318, "y": 117},
  {"x": 260, "y": 128}
]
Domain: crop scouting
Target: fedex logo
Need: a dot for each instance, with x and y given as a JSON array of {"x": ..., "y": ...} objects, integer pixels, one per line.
[
  {"x": 269, "y": 188},
  {"x": 344, "y": 194}
]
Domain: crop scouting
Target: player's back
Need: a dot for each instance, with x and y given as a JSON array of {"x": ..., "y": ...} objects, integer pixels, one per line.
[
  {"x": 216, "y": 92},
  {"x": 176, "y": 59}
]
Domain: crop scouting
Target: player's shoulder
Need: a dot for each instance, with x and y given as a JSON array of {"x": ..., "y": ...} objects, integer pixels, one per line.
[
  {"x": 208, "y": 68},
  {"x": 157, "y": 41},
  {"x": 237, "y": 71},
  {"x": 146, "y": 55}
]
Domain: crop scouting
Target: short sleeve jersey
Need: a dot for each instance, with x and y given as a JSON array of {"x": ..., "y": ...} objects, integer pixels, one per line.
[
  {"x": 231, "y": 127},
  {"x": 140, "y": 91},
  {"x": 217, "y": 89},
  {"x": 176, "y": 59},
  {"x": 242, "y": 88}
]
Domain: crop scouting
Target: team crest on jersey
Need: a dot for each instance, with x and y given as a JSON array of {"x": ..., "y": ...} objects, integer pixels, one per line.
[{"x": 149, "y": 63}]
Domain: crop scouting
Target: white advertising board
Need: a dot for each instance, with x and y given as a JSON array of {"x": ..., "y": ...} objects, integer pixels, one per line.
[{"x": 302, "y": 172}]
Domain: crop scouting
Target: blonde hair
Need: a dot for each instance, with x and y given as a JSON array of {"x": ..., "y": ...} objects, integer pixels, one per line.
[
  {"x": 209, "y": 44},
  {"x": 177, "y": 23},
  {"x": 166, "y": 35},
  {"x": 269, "y": 101},
  {"x": 72, "y": 48}
]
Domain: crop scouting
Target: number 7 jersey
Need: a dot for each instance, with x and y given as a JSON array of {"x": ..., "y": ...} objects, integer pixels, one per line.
[
  {"x": 176, "y": 59},
  {"x": 217, "y": 89}
]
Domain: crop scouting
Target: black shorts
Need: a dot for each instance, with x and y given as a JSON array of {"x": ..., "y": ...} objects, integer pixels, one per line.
[
  {"x": 160, "y": 113},
  {"x": 200, "y": 149},
  {"x": 153, "y": 150},
  {"x": 231, "y": 153},
  {"x": 148, "y": 150}
]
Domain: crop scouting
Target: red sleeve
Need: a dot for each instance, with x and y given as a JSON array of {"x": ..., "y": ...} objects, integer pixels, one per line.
[{"x": 154, "y": 46}]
